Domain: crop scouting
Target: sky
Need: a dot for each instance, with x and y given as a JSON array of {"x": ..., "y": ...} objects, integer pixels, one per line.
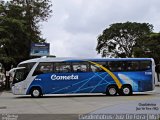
[{"x": 74, "y": 26}]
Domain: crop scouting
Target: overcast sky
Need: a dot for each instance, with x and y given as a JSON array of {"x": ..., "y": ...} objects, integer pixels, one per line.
[{"x": 75, "y": 24}]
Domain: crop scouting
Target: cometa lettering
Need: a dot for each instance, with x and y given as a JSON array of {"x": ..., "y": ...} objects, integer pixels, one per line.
[{"x": 69, "y": 77}]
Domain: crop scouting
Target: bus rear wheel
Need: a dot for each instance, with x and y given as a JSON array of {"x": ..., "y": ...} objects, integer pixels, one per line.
[
  {"x": 111, "y": 90},
  {"x": 126, "y": 90},
  {"x": 36, "y": 92}
]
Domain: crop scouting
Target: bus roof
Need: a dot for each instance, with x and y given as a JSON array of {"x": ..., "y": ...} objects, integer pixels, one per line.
[{"x": 67, "y": 59}]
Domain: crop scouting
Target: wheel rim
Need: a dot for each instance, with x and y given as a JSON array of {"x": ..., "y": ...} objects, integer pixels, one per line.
[
  {"x": 36, "y": 93},
  {"x": 112, "y": 91},
  {"x": 126, "y": 91}
]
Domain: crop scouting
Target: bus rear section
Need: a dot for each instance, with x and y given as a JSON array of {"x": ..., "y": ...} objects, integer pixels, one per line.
[
  {"x": 139, "y": 74},
  {"x": 110, "y": 76}
]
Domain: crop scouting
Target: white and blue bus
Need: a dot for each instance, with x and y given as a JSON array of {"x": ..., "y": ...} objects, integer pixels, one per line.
[{"x": 112, "y": 76}]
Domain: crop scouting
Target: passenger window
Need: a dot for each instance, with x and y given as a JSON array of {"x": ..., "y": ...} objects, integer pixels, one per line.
[
  {"x": 111, "y": 66},
  {"x": 43, "y": 68},
  {"x": 95, "y": 68},
  {"x": 145, "y": 65},
  {"x": 132, "y": 66},
  {"x": 115, "y": 66},
  {"x": 119, "y": 66},
  {"x": 80, "y": 67},
  {"x": 62, "y": 67},
  {"x": 104, "y": 64}
]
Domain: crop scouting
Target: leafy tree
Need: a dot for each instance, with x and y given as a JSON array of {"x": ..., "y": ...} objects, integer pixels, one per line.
[
  {"x": 32, "y": 12},
  {"x": 120, "y": 38},
  {"x": 149, "y": 46},
  {"x": 19, "y": 26}
]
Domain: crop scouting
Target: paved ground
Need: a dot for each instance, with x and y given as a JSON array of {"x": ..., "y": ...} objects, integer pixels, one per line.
[{"x": 80, "y": 104}]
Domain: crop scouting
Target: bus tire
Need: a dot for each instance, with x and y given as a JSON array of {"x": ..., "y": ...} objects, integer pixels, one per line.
[
  {"x": 126, "y": 90},
  {"x": 111, "y": 90},
  {"x": 36, "y": 92}
]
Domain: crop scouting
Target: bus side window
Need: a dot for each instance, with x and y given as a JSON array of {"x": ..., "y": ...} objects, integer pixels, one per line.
[
  {"x": 115, "y": 66},
  {"x": 94, "y": 68},
  {"x": 145, "y": 65},
  {"x": 62, "y": 67},
  {"x": 111, "y": 66},
  {"x": 132, "y": 66},
  {"x": 80, "y": 67},
  {"x": 103, "y": 64},
  {"x": 135, "y": 65},
  {"x": 129, "y": 66},
  {"x": 118, "y": 66},
  {"x": 43, "y": 68}
]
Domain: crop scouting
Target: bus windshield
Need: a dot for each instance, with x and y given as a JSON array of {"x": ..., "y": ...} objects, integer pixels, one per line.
[{"x": 22, "y": 73}]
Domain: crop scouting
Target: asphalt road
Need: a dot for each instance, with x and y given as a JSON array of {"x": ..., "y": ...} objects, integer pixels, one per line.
[{"x": 71, "y": 106}]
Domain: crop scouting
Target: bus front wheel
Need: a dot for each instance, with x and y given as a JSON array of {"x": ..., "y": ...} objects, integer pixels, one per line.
[
  {"x": 126, "y": 90},
  {"x": 111, "y": 90},
  {"x": 36, "y": 92}
]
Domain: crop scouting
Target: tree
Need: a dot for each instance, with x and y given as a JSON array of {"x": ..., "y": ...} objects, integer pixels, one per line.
[
  {"x": 19, "y": 26},
  {"x": 120, "y": 38},
  {"x": 148, "y": 47},
  {"x": 33, "y": 12}
]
